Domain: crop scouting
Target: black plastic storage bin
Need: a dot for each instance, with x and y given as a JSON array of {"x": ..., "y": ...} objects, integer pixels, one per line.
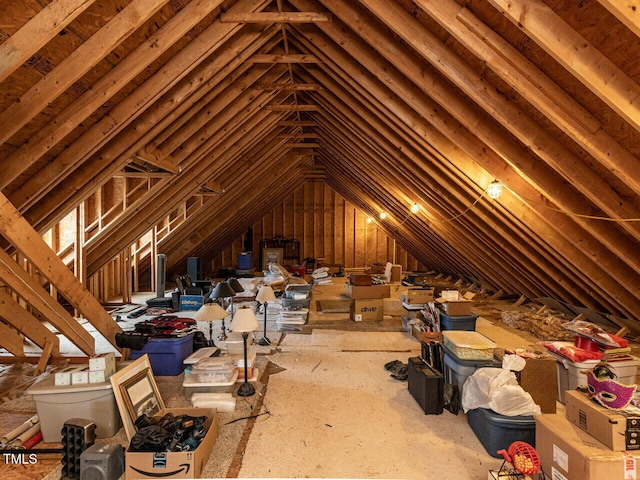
[
  {"x": 462, "y": 322},
  {"x": 498, "y": 432},
  {"x": 426, "y": 385}
]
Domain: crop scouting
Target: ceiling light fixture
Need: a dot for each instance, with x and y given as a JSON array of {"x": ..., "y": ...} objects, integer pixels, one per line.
[
  {"x": 415, "y": 208},
  {"x": 383, "y": 215},
  {"x": 494, "y": 190},
  {"x": 369, "y": 219}
]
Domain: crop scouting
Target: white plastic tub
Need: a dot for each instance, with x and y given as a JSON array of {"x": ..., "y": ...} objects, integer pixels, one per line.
[
  {"x": 572, "y": 375},
  {"x": 58, "y": 403},
  {"x": 468, "y": 345}
]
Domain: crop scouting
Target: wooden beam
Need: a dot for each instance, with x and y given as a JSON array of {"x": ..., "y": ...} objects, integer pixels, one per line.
[
  {"x": 152, "y": 157},
  {"x": 44, "y": 359},
  {"x": 11, "y": 339},
  {"x": 628, "y": 12},
  {"x": 287, "y": 58},
  {"x": 302, "y": 145},
  {"x": 576, "y": 54},
  {"x": 37, "y": 32},
  {"x": 20, "y": 319},
  {"x": 75, "y": 66},
  {"x": 28, "y": 289},
  {"x": 298, "y": 136},
  {"x": 276, "y": 17},
  {"x": 293, "y": 108},
  {"x": 296, "y": 123},
  {"x": 291, "y": 87},
  {"x": 25, "y": 239}
]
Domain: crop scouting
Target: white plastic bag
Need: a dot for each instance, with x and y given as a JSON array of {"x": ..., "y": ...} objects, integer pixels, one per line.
[{"x": 498, "y": 390}]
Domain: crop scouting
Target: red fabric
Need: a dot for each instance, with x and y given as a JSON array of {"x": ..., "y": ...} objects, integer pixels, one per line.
[{"x": 571, "y": 352}]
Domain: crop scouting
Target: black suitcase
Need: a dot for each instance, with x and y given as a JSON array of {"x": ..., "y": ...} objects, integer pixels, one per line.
[{"x": 426, "y": 385}]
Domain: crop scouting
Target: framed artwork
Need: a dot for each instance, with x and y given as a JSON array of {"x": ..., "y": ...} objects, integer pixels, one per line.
[
  {"x": 139, "y": 395},
  {"x": 272, "y": 255}
]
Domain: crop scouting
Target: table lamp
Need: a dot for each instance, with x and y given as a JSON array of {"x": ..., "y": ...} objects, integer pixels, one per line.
[
  {"x": 236, "y": 286},
  {"x": 245, "y": 321},
  {"x": 210, "y": 312},
  {"x": 265, "y": 295},
  {"x": 222, "y": 290}
]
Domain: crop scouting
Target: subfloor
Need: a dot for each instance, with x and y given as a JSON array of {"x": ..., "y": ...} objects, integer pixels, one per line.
[{"x": 324, "y": 407}]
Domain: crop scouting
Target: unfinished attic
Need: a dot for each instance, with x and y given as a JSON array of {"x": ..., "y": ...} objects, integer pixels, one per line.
[{"x": 486, "y": 146}]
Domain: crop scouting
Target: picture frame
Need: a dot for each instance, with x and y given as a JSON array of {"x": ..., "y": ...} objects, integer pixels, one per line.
[
  {"x": 271, "y": 255},
  {"x": 139, "y": 395}
]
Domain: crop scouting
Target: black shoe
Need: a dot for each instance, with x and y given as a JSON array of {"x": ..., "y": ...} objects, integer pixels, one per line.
[{"x": 393, "y": 365}]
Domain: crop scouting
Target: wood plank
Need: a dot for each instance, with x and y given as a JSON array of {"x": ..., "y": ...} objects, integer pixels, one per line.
[
  {"x": 18, "y": 231},
  {"x": 11, "y": 339},
  {"x": 288, "y": 58},
  {"x": 74, "y": 67},
  {"x": 576, "y": 54},
  {"x": 31, "y": 292},
  {"x": 20, "y": 319},
  {"x": 44, "y": 359},
  {"x": 291, "y": 87},
  {"x": 293, "y": 108},
  {"x": 627, "y": 11},
  {"x": 276, "y": 17},
  {"x": 37, "y": 32}
]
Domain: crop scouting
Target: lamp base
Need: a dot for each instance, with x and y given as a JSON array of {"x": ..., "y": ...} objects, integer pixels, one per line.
[
  {"x": 246, "y": 390},
  {"x": 264, "y": 341}
]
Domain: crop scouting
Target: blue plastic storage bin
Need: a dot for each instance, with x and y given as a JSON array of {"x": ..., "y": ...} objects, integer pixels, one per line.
[
  {"x": 464, "y": 322},
  {"x": 166, "y": 354},
  {"x": 497, "y": 432}
]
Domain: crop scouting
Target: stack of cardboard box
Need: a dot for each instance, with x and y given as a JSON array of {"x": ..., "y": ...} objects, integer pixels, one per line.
[{"x": 367, "y": 301}]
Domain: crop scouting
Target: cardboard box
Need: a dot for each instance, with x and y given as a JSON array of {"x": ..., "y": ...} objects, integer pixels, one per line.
[
  {"x": 104, "y": 361},
  {"x": 367, "y": 310},
  {"x": 358, "y": 292},
  {"x": 617, "y": 429},
  {"x": 417, "y": 296},
  {"x": 460, "y": 305},
  {"x": 568, "y": 453},
  {"x": 80, "y": 378},
  {"x": 191, "y": 302},
  {"x": 138, "y": 378},
  {"x": 538, "y": 378}
]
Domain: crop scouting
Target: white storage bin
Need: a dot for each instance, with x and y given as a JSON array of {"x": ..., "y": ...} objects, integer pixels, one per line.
[
  {"x": 572, "y": 375},
  {"x": 58, "y": 403},
  {"x": 192, "y": 385}
]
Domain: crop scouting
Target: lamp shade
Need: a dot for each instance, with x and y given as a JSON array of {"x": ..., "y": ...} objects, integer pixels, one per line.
[
  {"x": 265, "y": 294},
  {"x": 244, "y": 320},
  {"x": 210, "y": 312},
  {"x": 222, "y": 290},
  {"x": 235, "y": 285}
]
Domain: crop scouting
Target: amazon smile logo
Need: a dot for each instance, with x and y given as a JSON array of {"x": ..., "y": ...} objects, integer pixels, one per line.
[{"x": 184, "y": 467}]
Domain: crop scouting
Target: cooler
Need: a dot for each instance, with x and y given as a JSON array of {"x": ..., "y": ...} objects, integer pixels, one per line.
[
  {"x": 58, "y": 403},
  {"x": 166, "y": 354}
]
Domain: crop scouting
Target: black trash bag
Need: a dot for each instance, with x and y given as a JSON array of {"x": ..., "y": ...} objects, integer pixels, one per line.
[{"x": 451, "y": 397}]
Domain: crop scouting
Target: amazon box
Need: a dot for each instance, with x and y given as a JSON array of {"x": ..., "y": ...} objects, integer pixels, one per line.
[{"x": 136, "y": 392}]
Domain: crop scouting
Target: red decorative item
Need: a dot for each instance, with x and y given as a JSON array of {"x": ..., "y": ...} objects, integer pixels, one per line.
[
  {"x": 586, "y": 343},
  {"x": 523, "y": 457}
]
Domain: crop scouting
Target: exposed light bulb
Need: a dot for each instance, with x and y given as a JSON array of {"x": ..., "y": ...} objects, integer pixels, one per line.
[
  {"x": 494, "y": 190},
  {"x": 369, "y": 219},
  {"x": 415, "y": 208},
  {"x": 383, "y": 215}
]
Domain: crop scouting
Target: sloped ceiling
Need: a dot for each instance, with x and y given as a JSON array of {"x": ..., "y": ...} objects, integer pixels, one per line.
[{"x": 388, "y": 102}]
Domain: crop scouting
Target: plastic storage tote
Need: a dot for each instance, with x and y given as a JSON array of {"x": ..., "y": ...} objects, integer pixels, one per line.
[
  {"x": 456, "y": 371},
  {"x": 463, "y": 322},
  {"x": 572, "y": 375},
  {"x": 497, "y": 432},
  {"x": 58, "y": 403},
  {"x": 468, "y": 345},
  {"x": 166, "y": 354}
]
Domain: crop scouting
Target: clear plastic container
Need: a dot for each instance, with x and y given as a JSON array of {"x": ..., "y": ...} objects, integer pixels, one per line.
[{"x": 468, "y": 345}]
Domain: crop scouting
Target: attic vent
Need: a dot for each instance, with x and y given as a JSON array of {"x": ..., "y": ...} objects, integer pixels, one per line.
[
  {"x": 39, "y": 64},
  {"x": 3, "y": 35},
  {"x": 176, "y": 5}
]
